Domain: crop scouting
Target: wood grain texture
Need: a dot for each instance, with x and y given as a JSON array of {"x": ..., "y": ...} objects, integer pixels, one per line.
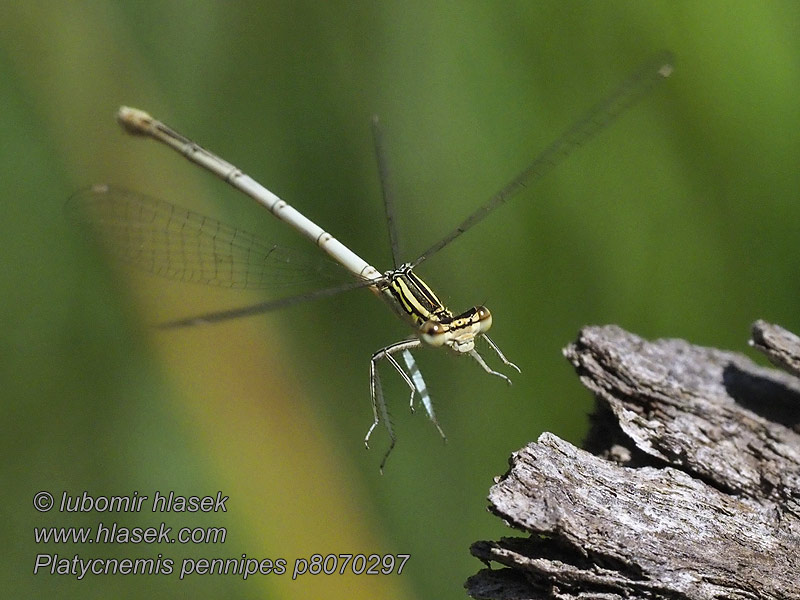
[{"x": 691, "y": 489}]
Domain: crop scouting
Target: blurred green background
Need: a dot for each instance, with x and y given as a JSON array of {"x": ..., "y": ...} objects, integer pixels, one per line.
[{"x": 680, "y": 221}]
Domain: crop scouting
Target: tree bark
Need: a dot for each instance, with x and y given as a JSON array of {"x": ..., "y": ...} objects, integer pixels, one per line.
[{"x": 689, "y": 486}]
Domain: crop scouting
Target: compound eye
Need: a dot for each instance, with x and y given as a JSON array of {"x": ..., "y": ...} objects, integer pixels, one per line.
[
  {"x": 432, "y": 333},
  {"x": 484, "y": 318}
]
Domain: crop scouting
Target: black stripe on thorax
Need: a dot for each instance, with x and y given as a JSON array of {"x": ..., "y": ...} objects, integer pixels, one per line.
[{"x": 414, "y": 296}]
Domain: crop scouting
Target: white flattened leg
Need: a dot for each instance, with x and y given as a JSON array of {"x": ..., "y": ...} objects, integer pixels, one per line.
[
  {"x": 411, "y": 386},
  {"x": 379, "y": 410},
  {"x": 422, "y": 389}
]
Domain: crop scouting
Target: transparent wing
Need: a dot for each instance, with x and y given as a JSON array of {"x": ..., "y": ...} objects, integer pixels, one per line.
[
  {"x": 170, "y": 241},
  {"x": 599, "y": 117}
]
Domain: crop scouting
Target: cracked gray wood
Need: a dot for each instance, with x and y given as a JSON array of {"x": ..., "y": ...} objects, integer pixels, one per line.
[
  {"x": 693, "y": 490},
  {"x": 782, "y": 347}
]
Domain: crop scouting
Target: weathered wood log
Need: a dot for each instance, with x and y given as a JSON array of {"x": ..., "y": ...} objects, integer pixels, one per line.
[
  {"x": 691, "y": 489},
  {"x": 781, "y": 347}
]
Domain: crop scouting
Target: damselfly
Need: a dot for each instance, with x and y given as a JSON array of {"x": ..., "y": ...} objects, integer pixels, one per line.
[{"x": 170, "y": 241}]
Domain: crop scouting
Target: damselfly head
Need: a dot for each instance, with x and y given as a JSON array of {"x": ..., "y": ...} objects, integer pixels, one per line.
[{"x": 458, "y": 332}]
